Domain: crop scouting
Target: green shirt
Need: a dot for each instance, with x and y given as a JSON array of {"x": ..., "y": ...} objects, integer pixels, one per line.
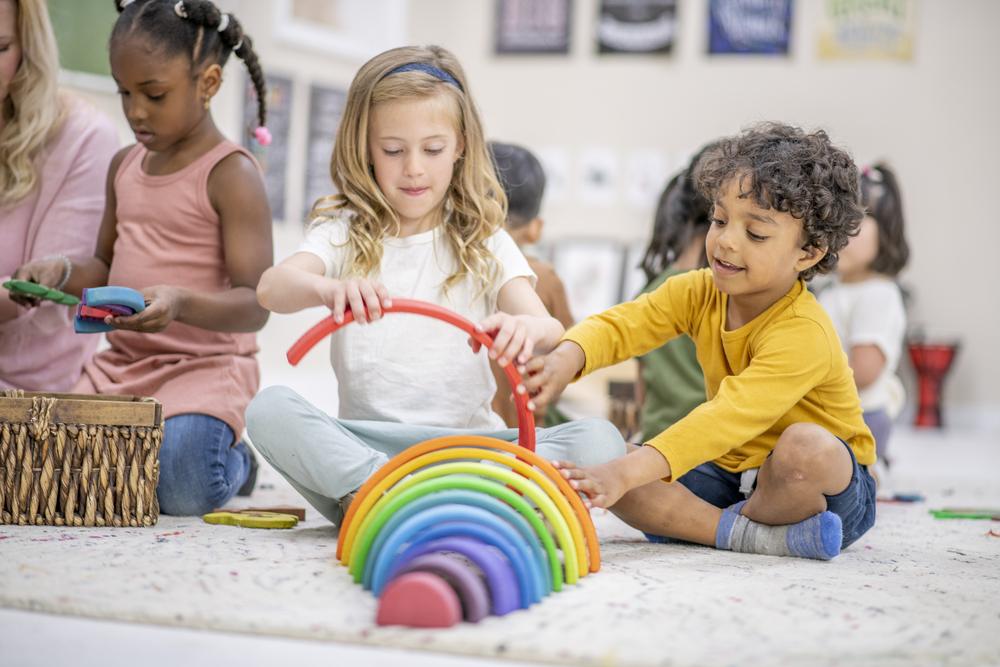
[{"x": 672, "y": 377}]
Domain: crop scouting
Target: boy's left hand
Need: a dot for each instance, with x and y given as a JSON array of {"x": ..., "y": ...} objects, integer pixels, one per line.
[
  {"x": 514, "y": 337},
  {"x": 163, "y": 305}
]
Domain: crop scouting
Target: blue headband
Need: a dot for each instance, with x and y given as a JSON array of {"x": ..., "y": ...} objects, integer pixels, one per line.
[{"x": 435, "y": 72}]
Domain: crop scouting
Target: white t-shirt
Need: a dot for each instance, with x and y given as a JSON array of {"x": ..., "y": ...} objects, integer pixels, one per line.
[
  {"x": 871, "y": 312},
  {"x": 409, "y": 368}
]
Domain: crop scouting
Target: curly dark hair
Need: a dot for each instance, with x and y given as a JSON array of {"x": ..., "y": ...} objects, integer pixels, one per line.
[
  {"x": 193, "y": 31},
  {"x": 883, "y": 201},
  {"x": 787, "y": 169}
]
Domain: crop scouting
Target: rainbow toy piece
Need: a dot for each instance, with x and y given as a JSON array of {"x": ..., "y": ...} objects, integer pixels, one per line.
[{"x": 462, "y": 527}]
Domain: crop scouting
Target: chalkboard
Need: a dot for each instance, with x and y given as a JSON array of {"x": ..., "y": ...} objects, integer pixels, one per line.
[
  {"x": 82, "y": 28},
  {"x": 274, "y": 158},
  {"x": 326, "y": 106}
]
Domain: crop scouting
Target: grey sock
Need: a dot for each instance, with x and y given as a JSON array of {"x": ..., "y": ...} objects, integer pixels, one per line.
[{"x": 819, "y": 536}]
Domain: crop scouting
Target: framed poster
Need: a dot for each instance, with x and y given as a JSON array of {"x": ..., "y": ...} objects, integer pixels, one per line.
[
  {"x": 856, "y": 29},
  {"x": 591, "y": 270},
  {"x": 273, "y": 159},
  {"x": 636, "y": 26},
  {"x": 533, "y": 26},
  {"x": 326, "y": 106},
  {"x": 760, "y": 27},
  {"x": 354, "y": 29}
]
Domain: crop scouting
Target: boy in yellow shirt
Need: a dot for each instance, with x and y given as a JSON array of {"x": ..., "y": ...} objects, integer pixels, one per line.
[{"x": 776, "y": 460}]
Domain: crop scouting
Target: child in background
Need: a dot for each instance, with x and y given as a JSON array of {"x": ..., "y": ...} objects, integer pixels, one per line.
[
  {"x": 866, "y": 305},
  {"x": 776, "y": 461},
  {"x": 670, "y": 382},
  {"x": 187, "y": 223},
  {"x": 523, "y": 181},
  {"x": 419, "y": 215}
]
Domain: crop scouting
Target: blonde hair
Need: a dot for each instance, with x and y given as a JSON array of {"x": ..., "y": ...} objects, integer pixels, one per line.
[
  {"x": 33, "y": 110},
  {"x": 475, "y": 202}
]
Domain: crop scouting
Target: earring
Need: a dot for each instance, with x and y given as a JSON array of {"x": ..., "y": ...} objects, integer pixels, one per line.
[{"x": 208, "y": 103}]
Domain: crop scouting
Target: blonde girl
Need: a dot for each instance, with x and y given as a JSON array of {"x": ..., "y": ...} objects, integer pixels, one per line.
[{"x": 419, "y": 215}]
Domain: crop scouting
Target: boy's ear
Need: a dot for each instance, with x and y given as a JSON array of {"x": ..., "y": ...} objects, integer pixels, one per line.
[
  {"x": 210, "y": 81},
  {"x": 809, "y": 256}
]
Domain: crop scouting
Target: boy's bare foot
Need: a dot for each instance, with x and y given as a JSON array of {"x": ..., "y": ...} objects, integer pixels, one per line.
[{"x": 602, "y": 486}]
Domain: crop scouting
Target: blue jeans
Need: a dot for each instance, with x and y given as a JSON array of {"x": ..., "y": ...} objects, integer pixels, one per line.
[{"x": 200, "y": 469}]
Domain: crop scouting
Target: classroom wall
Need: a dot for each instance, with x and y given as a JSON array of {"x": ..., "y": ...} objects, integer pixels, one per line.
[{"x": 933, "y": 119}]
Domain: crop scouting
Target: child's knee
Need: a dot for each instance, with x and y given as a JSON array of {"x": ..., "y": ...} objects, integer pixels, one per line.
[
  {"x": 806, "y": 451},
  {"x": 597, "y": 441},
  {"x": 267, "y": 412}
]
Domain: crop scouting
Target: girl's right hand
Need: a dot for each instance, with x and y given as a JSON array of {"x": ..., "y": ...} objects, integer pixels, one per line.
[
  {"x": 48, "y": 272},
  {"x": 366, "y": 298}
]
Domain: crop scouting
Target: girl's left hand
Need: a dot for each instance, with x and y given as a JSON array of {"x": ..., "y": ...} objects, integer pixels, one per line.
[
  {"x": 163, "y": 305},
  {"x": 514, "y": 337}
]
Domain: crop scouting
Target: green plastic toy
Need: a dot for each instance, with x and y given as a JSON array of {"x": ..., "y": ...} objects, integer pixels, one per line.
[
  {"x": 37, "y": 291},
  {"x": 967, "y": 513}
]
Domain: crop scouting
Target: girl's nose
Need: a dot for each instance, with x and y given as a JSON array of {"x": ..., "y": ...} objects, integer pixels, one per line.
[{"x": 413, "y": 166}]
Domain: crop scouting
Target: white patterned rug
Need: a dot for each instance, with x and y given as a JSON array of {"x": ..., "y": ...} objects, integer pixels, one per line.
[{"x": 914, "y": 591}]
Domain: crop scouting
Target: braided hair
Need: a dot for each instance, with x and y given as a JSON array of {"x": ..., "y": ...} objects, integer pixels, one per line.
[{"x": 196, "y": 28}]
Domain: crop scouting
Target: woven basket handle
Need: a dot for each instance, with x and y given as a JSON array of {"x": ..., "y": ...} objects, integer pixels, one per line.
[{"x": 525, "y": 419}]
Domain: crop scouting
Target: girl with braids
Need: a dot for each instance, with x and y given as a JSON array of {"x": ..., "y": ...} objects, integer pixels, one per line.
[
  {"x": 420, "y": 215},
  {"x": 187, "y": 223}
]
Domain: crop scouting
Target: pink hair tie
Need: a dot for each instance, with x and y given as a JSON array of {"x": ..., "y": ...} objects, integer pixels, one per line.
[{"x": 262, "y": 135}]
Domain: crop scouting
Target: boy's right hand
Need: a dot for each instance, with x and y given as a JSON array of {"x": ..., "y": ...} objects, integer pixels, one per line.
[
  {"x": 48, "y": 272},
  {"x": 546, "y": 376},
  {"x": 366, "y": 298}
]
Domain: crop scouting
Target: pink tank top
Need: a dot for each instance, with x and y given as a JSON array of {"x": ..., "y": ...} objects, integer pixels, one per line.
[{"x": 169, "y": 234}]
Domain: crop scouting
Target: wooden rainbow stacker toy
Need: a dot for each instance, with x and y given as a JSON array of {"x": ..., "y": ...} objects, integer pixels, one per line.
[{"x": 462, "y": 527}]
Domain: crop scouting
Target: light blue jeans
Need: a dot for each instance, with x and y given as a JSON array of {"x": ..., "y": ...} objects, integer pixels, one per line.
[
  {"x": 326, "y": 458},
  {"x": 200, "y": 469}
]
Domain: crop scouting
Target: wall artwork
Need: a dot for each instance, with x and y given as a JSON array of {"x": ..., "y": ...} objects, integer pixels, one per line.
[
  {"x": 533, "y": 26},
  {"x": 636, "y": 26},
  {"x": 591, "y": 270},
  {"x": 326, "y": 106},
  {"x": 598, "y": 176},
  {"x": 860, "y": 29},
  {"x": 273, "y": 159},
  {"x": 761, "y": 27}
]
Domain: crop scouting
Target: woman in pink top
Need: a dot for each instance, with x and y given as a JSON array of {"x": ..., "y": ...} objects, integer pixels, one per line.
[
  {"x": 54, "y": 152},
  {"x": 187, "y": 223}
]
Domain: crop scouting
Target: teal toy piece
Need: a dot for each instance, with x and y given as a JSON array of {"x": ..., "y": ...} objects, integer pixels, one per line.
[
  {"x": 28, "y": 288},
  {"x": 118, "y": 299}
]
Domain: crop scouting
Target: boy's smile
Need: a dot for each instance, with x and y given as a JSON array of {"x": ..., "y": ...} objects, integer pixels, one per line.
[{"x": 755, "y": 253}]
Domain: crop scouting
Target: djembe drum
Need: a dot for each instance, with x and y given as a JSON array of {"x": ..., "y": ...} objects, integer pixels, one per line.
[{"x": 932, "y": 361}]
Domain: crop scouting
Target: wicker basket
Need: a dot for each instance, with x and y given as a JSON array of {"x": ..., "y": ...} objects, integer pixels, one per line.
[{"x": 75, "y": 460}]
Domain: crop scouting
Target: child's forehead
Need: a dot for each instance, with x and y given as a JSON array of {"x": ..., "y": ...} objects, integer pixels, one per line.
[
  {"x": 140, "y": 56},
  {"x": 415, "y": 115},
  {"x": 736, "y": 196}
]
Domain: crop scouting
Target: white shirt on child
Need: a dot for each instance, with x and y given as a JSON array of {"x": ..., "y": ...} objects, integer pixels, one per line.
[
  {"x": 870, "y": 312},
  {"x": 409, "y": 368}
]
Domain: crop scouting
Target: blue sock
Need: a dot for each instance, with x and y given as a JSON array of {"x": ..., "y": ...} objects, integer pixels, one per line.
[{"x": 820, "y": 536}]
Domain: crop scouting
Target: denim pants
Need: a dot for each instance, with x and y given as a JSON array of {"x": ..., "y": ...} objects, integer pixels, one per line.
[
  {"x": 200, "y": 469},
  {"x": 325, "y": 458}
]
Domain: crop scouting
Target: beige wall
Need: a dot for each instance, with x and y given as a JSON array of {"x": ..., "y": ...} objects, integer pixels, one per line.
[{"x": 935, "y": 119}]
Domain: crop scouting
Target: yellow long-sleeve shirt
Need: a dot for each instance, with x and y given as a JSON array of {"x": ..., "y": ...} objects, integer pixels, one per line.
[{"x": 785, "y": 366}]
